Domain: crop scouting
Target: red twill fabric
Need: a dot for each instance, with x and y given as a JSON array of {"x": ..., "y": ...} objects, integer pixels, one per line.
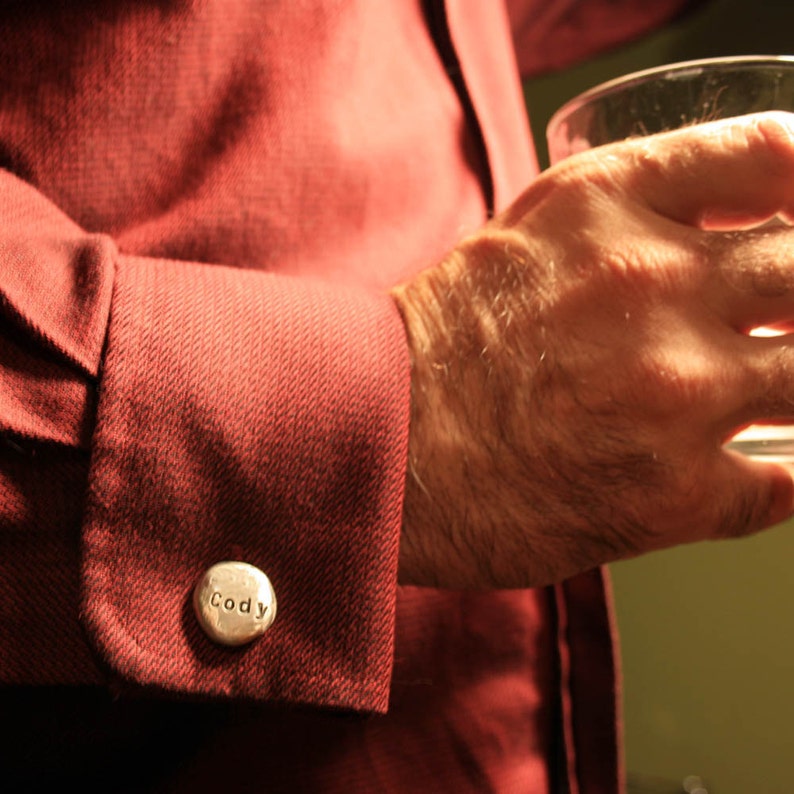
[
  {"x": 551, "y": 36},
  {"x": 202, "y": 206},
  {"x": 306, "y": 483}
]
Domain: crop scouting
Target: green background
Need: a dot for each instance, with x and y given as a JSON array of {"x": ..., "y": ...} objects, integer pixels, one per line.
[{"x": 706, "y": 629}]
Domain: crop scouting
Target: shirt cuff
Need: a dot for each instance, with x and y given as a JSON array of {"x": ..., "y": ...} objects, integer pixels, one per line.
[{"x": 252, "y": 417}]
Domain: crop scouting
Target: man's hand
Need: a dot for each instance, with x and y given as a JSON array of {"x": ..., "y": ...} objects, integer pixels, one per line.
[{"x": 579, "y": 363}]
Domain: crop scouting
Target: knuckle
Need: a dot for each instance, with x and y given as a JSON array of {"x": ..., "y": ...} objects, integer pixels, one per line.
[
  {"x": 585, "y": 178},
  {"x": 676, "y": 385},
  {"x": 574, "y": 187},
  {"x": 685, "y": 383},
  {"x": 672, "y": 393},
  {"x": 656, "y": 159},
  {"x": 598, "y": 171},
  {"x": 650, "y": 271}
]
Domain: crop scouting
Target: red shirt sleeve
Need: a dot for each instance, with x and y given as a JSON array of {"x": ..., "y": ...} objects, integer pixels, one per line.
[
  {"x": 553, "y": 35},
  {"x": 209, "y": 413}
]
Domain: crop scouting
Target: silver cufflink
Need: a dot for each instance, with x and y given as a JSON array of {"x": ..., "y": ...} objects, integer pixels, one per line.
[{"x": 234, "y": 603}]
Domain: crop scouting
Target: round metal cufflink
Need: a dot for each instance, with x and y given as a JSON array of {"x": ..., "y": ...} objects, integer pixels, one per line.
[{"x": 234, "y": 603}]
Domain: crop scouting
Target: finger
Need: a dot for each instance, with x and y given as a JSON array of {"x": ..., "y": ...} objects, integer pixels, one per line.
[
  {"x": 753, "y": 282},
  {"x": 765, "y": 369},
  {"x": 755, "y": 495},
  {"x": 731, "y": 173}
]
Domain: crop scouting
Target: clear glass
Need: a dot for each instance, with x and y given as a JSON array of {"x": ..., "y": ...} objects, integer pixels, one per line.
[{"x": 672, "y": 96}]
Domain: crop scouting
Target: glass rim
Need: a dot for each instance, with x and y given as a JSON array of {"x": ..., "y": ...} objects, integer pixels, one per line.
[{"x": 674, "y": 68}]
